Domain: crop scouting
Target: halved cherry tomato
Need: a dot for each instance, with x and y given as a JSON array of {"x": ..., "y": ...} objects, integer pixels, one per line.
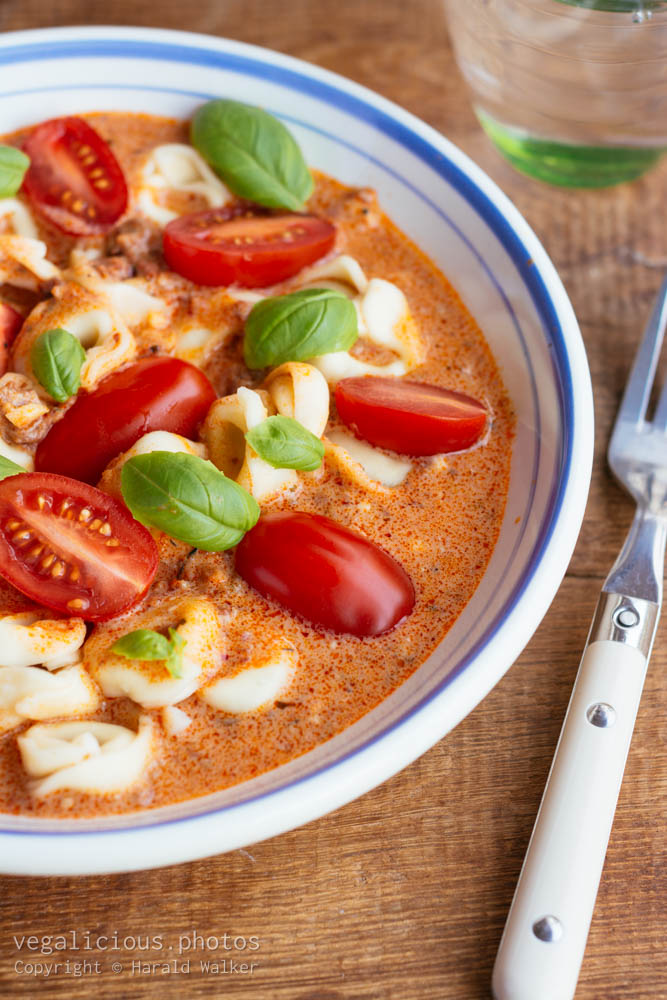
[
  {"x": 409, "y": 417},
  {"x": 74, "y": 180},
  {"x": 72, "y": 547},
  {"x": 236, "y": 245},
  {"x": 326, "y": 573},
  {"x": 11, "y": 322},
  {"x": 154, "y": 394}
]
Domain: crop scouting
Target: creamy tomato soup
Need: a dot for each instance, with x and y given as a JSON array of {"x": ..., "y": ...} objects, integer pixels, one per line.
[{"x": 210, "y": 605}]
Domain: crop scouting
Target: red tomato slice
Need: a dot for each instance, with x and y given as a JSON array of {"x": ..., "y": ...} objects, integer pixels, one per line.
[
  {"x": 11, "y": 322},
  {"x": 154, "y": 394},
  {"x": 72, "y": 547},
  {"x": 74, "y": 180},
  {"x": 325, "y": 572},
  {"x": 409, "y": 417},
  {"x": 227, "y": 246}
]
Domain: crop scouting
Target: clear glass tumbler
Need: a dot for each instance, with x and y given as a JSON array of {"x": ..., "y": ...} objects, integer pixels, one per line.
[{"x": 572, "y": 92}]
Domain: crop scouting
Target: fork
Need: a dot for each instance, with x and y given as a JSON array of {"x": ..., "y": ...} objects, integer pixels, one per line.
[{"x": 543, "y": 944}]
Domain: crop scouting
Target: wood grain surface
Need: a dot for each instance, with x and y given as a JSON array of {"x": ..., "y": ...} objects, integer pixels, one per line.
[{"x": 403, "y": 893}]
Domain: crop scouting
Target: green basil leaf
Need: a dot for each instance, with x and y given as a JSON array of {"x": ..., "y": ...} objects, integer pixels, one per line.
[
  {"x": 143, "y": 644},
  {"x": 56, "y": 359},
  {"x": 286, "y": 444},
  {"x": 13, "y": 165},
  {"x": 174, "y": 662},
  {"x": 9, "y": 468},
  {"x": 254, "y": 154},
  {"x": 188, "y": 498},
  {"x": 299, "y": 326}
]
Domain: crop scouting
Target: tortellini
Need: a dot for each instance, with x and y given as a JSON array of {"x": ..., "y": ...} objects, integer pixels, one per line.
[
  {"x": 300, "y": 391},
  {"x": 86, "y": 756},
  {"x": 103, "y": 334},
  {"x": 148, "y": 682},
  {"x": 129, "y": 299},
  {"x": 23, "y": 263},
  {"x": 363, "y": 463},
  {"x": 17, "y": 214},
  {"x": 224, "y": 431},
  {"x": 175, "y": 166},
  {"x": 383, "y": 317},
  {"x": 34, "y": 693},
  {"x": 293, "y": 390},
  {"x": 154, "y": 441},
  {"x": 18, "y": 455},
  {"x": 343, "y": 274},
  {"x": 28, "y": 639},
  {"x": 255, "y": 686},
  {"x": 175, "y": 720}
]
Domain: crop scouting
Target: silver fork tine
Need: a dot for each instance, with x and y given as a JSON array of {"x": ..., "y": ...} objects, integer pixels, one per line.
[
  {"x": 660, "y": 416},
  {"x": 638, "y": 389}
]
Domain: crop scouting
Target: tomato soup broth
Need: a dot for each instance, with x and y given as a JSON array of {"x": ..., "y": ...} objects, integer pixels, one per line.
[{"x": 440, "y": 524}]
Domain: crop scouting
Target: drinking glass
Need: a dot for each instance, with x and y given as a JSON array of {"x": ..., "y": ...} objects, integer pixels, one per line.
[{"x": 572, "y": 92}]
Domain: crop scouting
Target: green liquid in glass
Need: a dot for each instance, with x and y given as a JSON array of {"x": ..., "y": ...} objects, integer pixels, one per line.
[{"x": 567, "y": 164}]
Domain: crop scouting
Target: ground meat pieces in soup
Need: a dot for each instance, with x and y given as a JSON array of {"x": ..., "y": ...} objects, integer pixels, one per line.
[{"x": 139, "y": 241}]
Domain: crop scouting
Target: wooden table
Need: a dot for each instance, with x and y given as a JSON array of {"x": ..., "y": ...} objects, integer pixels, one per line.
[{"x": 403, "y": 894}]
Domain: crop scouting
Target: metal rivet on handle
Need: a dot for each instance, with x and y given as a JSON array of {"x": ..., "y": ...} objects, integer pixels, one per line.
[
  {"x": 626, "y": 617},
  {"x": 601, "y": 715},
  {"x": 548, "y": 929}
]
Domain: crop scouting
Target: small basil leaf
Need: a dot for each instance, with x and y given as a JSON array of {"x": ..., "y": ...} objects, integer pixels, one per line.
[
  {"x": 174, "y": 663},
  {"x": 188, "y": 498},
  {"x": 9, "y": 468},
  {"x": 299, "y": 326},
  {"x": 286, "y": 444},
  {"x": 56, "y": 359},
  {"x": 143, "y": 644},
  {"x": 13, "y": 165},
  {"x": 254, "y": 154}
]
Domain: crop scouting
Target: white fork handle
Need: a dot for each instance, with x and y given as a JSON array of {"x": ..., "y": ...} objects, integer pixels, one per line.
[{"x": 561, "y": 872}]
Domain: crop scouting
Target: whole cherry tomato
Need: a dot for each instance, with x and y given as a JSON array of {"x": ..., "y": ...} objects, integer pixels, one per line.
[
  {"x": 236, "y": 245},
  {"x": 154, "y": 394},
  {"x": 326, "y": 573},
  {"x": 74, "y": 180},
  {"x": 11, "y": 322},
  {"x": 71, "y": 547},
  {"x": 409, "y": 417}
]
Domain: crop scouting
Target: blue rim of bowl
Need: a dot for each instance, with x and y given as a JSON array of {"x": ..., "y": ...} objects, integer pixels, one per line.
[{"x": 438, "y": 161}]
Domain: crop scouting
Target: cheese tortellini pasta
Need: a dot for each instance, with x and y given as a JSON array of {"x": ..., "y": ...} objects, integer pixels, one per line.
[
  {"x": 177, "y": 167},
  {"x": 361, "y": 462},
  {"x": 16, "y": 454},
  {"x": 103, "y": 334},
  {"x": 86, "y": 756},
  {"x": 175, "y": 720},
  {"x": 17, "y": 215},
  {"x": 28, "y": 639},
  {"x": 129, "y": 299},
  {"x": 293, "y": 390},
  {"x": 34, "y": 693},
  {"x": 148, "y": 682},
  {"x": 300, "y": 391},
  {"x": 224, "y": 431},
  {"x": 23, "y": 262},
  {"x": 154, "y": 441},
  {"x": 254, "y": 686},
  {"x": 383, "y": 317}
]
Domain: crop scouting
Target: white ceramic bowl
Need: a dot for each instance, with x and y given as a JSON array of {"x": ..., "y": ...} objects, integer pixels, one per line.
[{"x": 476, "y": 236}]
